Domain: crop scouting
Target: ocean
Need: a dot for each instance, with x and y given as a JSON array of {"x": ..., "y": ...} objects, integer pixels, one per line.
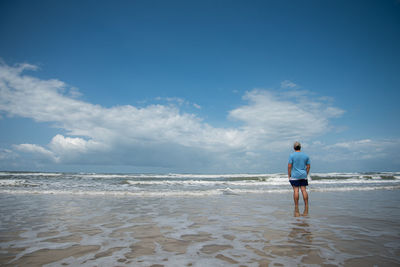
[{"x": 92, "y": 219}]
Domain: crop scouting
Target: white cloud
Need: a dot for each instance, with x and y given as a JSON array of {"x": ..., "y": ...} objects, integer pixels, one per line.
[
  {"x": 119, "y": 131},
  {"x": 288, "y": 84},
  {"x": 74, "y": 92},
  {"x": 159, "y": 134},
  {"x": 276, "y": 119},
  {"x": 62, "y": 144},
  {"x": 7, "y": 154},
  {"x": 196, "y": 106},
  {"x": 358, "y": 151},
  {"x": 177, "y": 101},
  {"x": 351, "y": 144},
  {"x": 37, "y": 150}
]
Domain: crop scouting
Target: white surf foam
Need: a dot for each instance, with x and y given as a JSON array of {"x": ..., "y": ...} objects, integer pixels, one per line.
[
  {"x": 31, "y": 174},
  {"x": 16, "y": 182},
  {"x": 193, "y": 193}
]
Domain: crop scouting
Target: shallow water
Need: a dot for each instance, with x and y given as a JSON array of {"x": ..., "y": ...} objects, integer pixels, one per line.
[{"x": 343, "y": 228}]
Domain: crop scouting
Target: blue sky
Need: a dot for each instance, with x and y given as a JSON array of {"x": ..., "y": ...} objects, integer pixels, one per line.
[{"x": 199, "y": 86}]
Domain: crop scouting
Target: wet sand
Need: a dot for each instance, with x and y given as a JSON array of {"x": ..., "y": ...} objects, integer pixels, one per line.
[{"x": 341, "y": 229}]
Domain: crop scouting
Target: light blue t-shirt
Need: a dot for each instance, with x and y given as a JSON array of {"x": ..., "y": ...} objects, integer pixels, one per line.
[{"x": 299, "y": 161}]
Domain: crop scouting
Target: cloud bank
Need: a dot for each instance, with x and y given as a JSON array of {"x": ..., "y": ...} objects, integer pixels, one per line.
[{"x": 159, "y": 136}]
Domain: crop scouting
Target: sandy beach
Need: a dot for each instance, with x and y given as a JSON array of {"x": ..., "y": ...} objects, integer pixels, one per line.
[{"x": 355, "y": 228}]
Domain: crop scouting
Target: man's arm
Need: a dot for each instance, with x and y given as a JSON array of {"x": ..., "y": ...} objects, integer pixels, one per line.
[
  {"x": 289, "y": 170},
  {"x": 308, "y": 168}
]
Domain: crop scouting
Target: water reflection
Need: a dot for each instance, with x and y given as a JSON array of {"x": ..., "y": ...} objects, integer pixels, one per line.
[{"x": 300, "y": 235}]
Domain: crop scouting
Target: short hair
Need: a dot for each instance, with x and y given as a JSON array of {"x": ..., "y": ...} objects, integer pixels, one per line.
[{"x": 297, "y": 146}]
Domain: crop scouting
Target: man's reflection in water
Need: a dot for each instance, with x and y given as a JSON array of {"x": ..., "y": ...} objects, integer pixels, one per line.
[{"x": 301, "y": 235}]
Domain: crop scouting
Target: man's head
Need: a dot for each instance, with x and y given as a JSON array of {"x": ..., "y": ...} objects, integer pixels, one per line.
[{"x": 297, "y": 146}]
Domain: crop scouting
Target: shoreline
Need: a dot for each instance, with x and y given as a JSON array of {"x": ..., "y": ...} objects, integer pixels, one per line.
[{"x": 198, "y": 193}]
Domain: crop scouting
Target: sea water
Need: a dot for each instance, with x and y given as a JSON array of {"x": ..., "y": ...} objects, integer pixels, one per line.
[
  {"x": 155, "y": 185},
  {"x": 85, "y": 219}
]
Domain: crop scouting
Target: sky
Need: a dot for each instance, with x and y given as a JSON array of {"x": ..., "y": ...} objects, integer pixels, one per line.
[{"x": 199, "y": 86}]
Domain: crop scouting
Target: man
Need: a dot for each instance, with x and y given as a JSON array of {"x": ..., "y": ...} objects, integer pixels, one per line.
[{"x": 298, "y": 169}]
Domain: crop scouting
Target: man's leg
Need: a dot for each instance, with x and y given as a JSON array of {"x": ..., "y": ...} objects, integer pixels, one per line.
[
  {"x": 305, "y": 195},
  {"x": 296, "y": 195}
]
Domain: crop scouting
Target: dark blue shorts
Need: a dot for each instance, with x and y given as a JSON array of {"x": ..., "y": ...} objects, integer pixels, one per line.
[{"x": 300, "y": 182}]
